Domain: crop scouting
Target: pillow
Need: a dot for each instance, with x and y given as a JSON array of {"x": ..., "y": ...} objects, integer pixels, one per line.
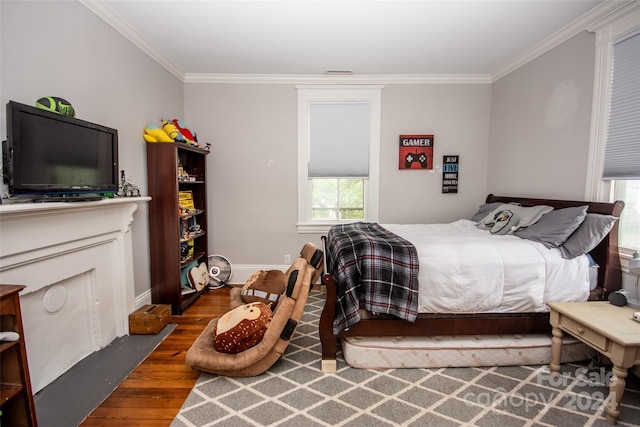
[
  {"x": 198, "y": 277},
  {"x": 241, "y": 328},
  {"x": 483, "y": 210},
  {"x": 588, "y": 235},
  {"x": 527, "y": 215},
  {"x": 503, "y": 222},
  {"x": 554, "y": 227}
]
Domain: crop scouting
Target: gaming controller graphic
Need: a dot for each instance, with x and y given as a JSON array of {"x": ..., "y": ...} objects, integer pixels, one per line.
[{"x": 417, "y": 157}]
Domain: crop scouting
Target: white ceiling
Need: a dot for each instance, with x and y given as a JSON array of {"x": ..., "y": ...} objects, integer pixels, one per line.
[{"x": 310, "y": 37}]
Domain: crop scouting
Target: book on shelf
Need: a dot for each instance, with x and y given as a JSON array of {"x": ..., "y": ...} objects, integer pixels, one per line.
[{"x": 185, "y": 200}]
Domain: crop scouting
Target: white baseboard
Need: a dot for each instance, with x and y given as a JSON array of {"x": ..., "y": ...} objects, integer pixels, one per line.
[
  {"x": 240, "y": 273},
  {"x": 143, "y": 299}
]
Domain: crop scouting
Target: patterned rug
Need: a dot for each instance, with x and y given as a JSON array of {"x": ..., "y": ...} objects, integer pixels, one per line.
[{"x": 294, "y": 392}]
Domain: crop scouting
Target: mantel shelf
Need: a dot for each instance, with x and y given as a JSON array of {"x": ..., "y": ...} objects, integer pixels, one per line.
[{"x": 8, "y": 206}]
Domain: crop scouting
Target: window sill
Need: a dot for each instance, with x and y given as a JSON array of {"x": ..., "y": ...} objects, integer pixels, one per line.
[
  {"x": 308, "y": 228},
  {"x": 321, "y": 227}
]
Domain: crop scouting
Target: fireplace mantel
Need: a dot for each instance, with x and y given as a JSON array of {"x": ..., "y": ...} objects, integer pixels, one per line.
[{"x": 76, "y": 261}]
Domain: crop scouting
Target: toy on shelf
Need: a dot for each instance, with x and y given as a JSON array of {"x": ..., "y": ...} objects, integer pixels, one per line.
[
  {"x": 127, "y": 189},
  {"x": 188, "y": 135},
  {"x": 173, "y": 130},
  {"x": 190, "y": 229},
  {"x": 184, "y": 176},
  {"x": 153, "y": 133},
  {"x": 187, "y": 251}
]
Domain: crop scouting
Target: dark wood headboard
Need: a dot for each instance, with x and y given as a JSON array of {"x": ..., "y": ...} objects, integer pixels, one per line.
[{"x": 605, "y": 254}]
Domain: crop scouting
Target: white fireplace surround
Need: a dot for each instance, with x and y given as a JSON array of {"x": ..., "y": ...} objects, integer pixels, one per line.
[{"x": 76, "y": 262}]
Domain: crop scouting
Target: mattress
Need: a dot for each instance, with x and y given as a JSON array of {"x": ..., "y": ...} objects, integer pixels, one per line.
[
  {"x": 457, "y": 351},
  {"x": 466, "y": 269}
]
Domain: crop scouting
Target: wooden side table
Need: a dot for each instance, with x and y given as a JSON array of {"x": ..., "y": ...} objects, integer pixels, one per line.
[
  {"x": 16, "y": 397},
  {"x": 607, "y": 329}
]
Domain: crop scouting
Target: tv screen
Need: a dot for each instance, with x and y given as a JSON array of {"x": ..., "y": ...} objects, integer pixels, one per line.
[{"x": 47, "y": 153}]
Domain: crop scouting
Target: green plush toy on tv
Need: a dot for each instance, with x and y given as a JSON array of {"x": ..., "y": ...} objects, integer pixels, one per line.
[{"x": 56, "y": 104}]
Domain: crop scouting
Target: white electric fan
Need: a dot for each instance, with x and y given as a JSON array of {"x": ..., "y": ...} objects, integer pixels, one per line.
[{"x": 219, "y": 271}]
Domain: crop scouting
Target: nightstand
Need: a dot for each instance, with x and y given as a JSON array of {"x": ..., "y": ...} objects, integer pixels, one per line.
[{"x": 607, "y": 329}]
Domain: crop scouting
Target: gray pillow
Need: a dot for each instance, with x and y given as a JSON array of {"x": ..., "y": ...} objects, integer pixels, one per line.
[
  {"x": 591, "y": 232},
  {"x": 555, "y": 227},
  {"x": 484, "y": 209},
  {"x": 528, "y": 215}
]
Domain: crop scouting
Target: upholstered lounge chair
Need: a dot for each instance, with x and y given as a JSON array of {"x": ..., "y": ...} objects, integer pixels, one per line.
[{"x": 300, "y": 277}]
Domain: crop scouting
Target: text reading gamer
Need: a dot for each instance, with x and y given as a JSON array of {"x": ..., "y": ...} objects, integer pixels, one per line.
[{"x": 416, "y": 142}]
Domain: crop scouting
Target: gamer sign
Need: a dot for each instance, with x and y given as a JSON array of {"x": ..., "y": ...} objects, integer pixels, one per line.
[{"x": 416, "y": 152}]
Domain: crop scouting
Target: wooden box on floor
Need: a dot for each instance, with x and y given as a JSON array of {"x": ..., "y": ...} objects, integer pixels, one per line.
[{"x": 150, "y": 319}]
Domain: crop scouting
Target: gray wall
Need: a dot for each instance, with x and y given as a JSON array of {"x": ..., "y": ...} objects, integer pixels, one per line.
[
  {"x": 106, "y": 78},
  {"x": 253, "y": 165},
  {"x": 540, "y": 121},
  {"x": 252, "y": 168},
  {"x": 458, "y": 117}
]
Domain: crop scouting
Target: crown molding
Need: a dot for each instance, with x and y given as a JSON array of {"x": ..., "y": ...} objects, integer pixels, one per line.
[
  {"x": 583, "y": 23},
  {"x": 107, "y": 14},
  {"x": 321, "y": 79}
]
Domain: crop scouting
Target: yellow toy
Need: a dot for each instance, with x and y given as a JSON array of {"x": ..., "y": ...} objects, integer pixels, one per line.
[
  {"x": 153, "y": 133},
  {"x": 171, "y": 130}
]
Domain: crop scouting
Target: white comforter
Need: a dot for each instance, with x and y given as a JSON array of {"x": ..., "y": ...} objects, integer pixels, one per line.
[{"x": 464, "y": 269}]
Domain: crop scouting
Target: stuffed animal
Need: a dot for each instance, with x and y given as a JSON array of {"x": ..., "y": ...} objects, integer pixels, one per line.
[
  {"x": 198, "y": 277},
  {"x": 153, "y": 133},
  {"x": 188, "y": 135},
  {"x": 264, "y": 286},
  {"x": 502, "y": 222},
  {"x": 241, "y": 328},
  {"x": 172, "y": 131}
]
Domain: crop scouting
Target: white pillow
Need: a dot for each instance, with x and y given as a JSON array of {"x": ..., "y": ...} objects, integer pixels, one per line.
[{"x": 528, "y": 215}]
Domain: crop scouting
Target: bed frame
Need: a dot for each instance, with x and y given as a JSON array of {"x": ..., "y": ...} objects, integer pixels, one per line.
[{"x": 609, "y": 280}]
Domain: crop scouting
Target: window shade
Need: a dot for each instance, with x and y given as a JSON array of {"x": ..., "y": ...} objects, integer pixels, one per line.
[
  {"x": 622, "y": 155},
  {"x": 339, "y": 139}
]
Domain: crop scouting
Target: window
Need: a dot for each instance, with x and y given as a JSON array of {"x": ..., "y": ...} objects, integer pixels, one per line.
[
  {"x": 622, "y": 153},
  {"x": 614, "y": 167},
  {"x": 337, "y": 198},
  {"x": 629, "y": 228},
  {"x": 338, "y": 155}
]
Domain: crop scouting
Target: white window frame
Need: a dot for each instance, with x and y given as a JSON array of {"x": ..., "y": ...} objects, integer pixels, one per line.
[
  {"x": 621, "y": 23},
  {"x": 308, "y": 94}
]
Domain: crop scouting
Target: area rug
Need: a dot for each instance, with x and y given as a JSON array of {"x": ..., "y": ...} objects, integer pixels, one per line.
[{"x": 294, "y": 392}]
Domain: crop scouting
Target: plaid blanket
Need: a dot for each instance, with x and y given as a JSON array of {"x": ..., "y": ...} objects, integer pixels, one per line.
[{"x": 374, "y": 269}]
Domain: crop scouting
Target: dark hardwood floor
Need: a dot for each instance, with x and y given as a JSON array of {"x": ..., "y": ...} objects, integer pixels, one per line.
[{"x": 154, "y": 392}]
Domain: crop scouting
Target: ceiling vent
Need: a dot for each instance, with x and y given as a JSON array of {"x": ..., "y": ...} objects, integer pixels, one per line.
[{"x": 339, "y": 72}]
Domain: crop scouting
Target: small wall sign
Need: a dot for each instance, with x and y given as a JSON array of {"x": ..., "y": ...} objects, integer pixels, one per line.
[
  {"x": 416, "y": 152},
  {"x": 450, "y": 169}
]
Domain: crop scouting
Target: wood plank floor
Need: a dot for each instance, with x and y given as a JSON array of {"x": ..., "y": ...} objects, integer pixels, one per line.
[{"x": 154, "y": 392}]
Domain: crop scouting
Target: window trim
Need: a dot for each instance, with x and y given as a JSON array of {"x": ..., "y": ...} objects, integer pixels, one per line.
[
  {"x": 618, "y": 25},
  {"x": 345, "y": 93}
]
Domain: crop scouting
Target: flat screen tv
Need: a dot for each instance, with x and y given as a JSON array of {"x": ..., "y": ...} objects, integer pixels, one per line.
[{"x": 47, "y": 154}]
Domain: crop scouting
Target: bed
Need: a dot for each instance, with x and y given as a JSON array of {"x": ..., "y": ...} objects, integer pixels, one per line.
[{"x": 439, "y": 319}]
